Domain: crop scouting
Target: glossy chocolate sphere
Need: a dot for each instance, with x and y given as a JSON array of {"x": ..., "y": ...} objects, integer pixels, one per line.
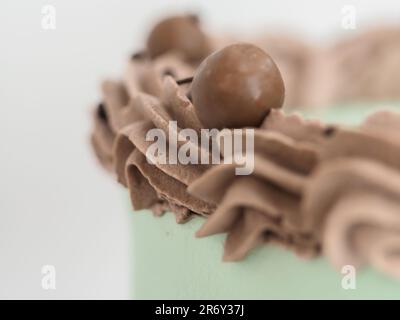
[
  {"x": 236, "y": 87},
  {"x": 181, "y": 34}
]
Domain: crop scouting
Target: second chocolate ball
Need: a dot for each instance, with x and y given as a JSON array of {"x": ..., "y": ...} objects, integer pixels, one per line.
[{"x": 181, "y": 34}]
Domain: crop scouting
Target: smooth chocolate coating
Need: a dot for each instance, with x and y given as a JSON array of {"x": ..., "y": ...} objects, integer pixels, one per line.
[
  {"x": 179, "y": 33},
  {"x": 236, "y": 87}
]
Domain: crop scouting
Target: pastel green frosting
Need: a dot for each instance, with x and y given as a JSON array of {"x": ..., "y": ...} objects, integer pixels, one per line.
[{"x": 170, "y": 263}]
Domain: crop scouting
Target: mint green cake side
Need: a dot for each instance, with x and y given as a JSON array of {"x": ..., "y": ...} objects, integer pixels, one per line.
[{"x": 170, "y": 263}]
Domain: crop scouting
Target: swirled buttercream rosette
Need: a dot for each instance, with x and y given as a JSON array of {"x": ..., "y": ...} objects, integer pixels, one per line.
[
  {"x": 109, "y": 117},
  {"x": 360, "y": 203},
  {"x": 352, "y": 200},
  {"x": 265, "y": 206},
  {"x": 367, "y": 64},
  {"x": 121, "y": 127},
  {"x": 149, "y": 183}
]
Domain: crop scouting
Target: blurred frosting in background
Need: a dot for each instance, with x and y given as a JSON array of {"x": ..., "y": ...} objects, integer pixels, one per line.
[{"x": 362, "y": 68}]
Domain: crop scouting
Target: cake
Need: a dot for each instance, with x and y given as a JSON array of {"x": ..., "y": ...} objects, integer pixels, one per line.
[{"x": 318, "y": 214}]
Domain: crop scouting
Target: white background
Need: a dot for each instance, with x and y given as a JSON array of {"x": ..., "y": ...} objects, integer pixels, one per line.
[{"x": 57, "y": 206}]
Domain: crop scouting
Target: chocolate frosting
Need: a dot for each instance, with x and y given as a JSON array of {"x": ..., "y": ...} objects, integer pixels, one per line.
[
  {"x": 354, "y": 204},
  {"x": 315, "y": 188},
  {"x": 120, "y": 138},
  {"x": 352, "y": 199},
  {"x": 313, "y": 192},
  {"x": 362, "y": 67},
  {"x": 265, "y": 206}
]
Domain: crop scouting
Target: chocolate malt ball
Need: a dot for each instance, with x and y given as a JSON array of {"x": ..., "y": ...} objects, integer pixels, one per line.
[
  {"x": 236, "y": 87},
  {"x": 181, "y": 34}
]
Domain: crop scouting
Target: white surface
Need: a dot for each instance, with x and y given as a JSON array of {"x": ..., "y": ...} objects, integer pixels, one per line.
[{"x": 56, "y": 206}]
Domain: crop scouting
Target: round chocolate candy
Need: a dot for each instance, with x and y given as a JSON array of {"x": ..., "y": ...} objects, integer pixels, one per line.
[
  {"x": 236, "y": 87},
  {"x": 181, "y": 34}
]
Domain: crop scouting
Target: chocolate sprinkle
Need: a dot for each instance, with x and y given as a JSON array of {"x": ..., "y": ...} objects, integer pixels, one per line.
[
  {"x": 139, "y": 55},
  {"x": 329, "y": 131},
  {"x": 184, "y": 81},
  {"x": 101, "y": 112}
]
